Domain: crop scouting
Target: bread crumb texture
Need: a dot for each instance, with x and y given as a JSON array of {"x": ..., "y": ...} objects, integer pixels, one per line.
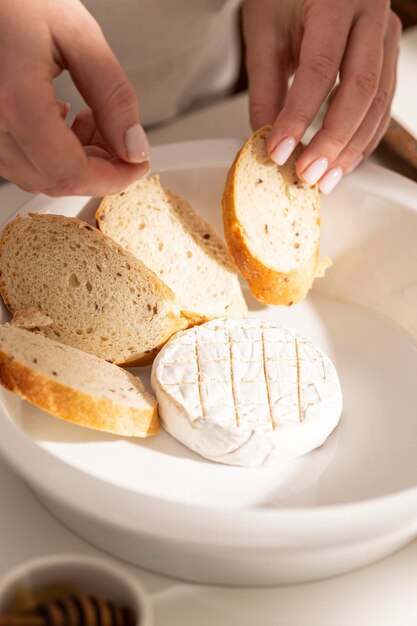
[
  {"x": 100, "y": 298},
  {"x": 168, "y": 236},
  {"x": 75, "y": 386}
]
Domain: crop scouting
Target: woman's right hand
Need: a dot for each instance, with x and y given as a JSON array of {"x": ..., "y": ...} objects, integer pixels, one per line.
[{"x": 106, "y": 149}]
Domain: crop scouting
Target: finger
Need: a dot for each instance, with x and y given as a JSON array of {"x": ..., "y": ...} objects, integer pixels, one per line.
[
  {"x": 104, "y": 177},
  {"x": 84, "y": 126},
  {"x": 266, "y": 67},
  {"x": 268, "y": 82},
  {"x": 376, "y": 139},
  {"x": 64, "y": 108},
  {"x": 98, "y": 152},
  {"x": 360, "y": 76},
  {"x": 54, "y": 150},
  {"x": 34, "y": 120},
  {"x": 323, "y": 44},
  {"x": 105, "y": 87},
  {"x": 374, "y": 125},
  {"x": 15, "y": 167}
]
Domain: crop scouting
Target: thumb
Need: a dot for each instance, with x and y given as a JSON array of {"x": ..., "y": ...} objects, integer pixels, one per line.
[{"x": 105, "y": 87}]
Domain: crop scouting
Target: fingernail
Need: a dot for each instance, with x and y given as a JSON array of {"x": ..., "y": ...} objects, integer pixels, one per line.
[
  {"x": 64, "y": 108},
  {"x": 137, "y": 145},
  {"x": 315, "y": 171},
  {"x": 355, "y": 165},
  {"x": 284, "y": 149},
  {"x": 145, "y": 171},
  {"x": 330, "y": 180}
]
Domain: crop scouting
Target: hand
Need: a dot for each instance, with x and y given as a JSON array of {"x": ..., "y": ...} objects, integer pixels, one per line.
[
  {"x": 106, "y": 149},
  {"x": 319, "y": 39}
]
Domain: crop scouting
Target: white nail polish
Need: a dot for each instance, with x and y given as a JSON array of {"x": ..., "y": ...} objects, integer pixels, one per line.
[
  {"x": 315, "y": 170},
  {"x": 137, "y": 145},
  {"x": 330, "y": 180},
  {"x": 283, "y": 151}
]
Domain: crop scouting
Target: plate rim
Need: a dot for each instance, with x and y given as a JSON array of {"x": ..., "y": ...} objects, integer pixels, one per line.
[{"x": 218, "y": 152}]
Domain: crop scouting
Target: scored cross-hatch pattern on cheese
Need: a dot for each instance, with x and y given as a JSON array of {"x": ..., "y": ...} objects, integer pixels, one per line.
[{"x": 264, "y": 380}]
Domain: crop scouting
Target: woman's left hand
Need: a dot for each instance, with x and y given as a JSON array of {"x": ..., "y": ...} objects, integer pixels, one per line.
[{"x": 319, "y": 40}]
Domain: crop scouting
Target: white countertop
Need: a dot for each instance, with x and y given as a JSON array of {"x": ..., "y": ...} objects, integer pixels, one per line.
[{"x": 383, "y": 594}]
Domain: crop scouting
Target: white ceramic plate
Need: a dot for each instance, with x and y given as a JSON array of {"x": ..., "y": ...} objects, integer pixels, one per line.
[{"x": 164, "y": 508}]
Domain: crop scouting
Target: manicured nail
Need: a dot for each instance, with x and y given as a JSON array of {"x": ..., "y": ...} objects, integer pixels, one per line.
[
  {"x": 64, "y": 108},
  {"x": 146, "y": 169},
  {"x": 137, "y": 145},
  {"x": 315, "y": 171},
  {"x": 330, "y": 180},
  {"x": 355, "y": 165},
  {"x": 284, "y": 149}
]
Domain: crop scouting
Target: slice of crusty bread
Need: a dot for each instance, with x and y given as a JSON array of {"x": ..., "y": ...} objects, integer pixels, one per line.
[
  {"x": 165, "y": 232},
  {"x": 272, "y": 224},
  {"x": 75, "y": 386},
  {"x": 100, "y": 298}
]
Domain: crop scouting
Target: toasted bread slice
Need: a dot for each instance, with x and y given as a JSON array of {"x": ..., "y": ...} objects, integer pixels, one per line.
[
  {"x": 272, "y": 224},
  {"x": 75, "y": 386},
  {"x": 100, "y": 298},
  {"x": 166, "y": 234}
]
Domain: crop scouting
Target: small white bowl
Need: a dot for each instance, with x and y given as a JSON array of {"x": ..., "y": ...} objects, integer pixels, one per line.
[{"x": 93, "y": 576}]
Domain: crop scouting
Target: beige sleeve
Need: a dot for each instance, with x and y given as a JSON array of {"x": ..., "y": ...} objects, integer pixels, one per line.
[{"x": 177, "y": 53}]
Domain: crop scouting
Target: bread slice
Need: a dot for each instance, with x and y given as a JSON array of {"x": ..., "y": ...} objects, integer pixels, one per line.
[
  {"x": 165, "y": 232},
  {"x": 100, "y": 298},
  {"x": 272, "y": 224},
  {"x": 75, "y": 386}
]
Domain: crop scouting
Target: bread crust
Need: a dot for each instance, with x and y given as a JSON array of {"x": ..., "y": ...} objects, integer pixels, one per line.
[
  {"x": 176, "y": 321},
  {"x": 266, "y": 284},
  {"x": 75, "y": 406}
]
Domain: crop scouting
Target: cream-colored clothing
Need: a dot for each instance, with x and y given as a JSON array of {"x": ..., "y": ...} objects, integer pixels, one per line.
[{"x": 177, "y": 53}]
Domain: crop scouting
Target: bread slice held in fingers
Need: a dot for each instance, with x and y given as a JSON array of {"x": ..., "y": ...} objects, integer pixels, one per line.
[
  {"x": 100, "y": 298},
  {"x": 75, "y": 386},
  {"x": 164, "y": 232},
  {"x": 272, "y": 224}
]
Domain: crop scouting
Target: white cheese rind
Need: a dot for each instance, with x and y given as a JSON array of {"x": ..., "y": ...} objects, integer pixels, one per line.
[{"x": 246, "y": 392}]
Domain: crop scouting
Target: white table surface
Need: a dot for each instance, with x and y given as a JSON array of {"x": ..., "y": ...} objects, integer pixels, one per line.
[{"x": 384, "y": 594}]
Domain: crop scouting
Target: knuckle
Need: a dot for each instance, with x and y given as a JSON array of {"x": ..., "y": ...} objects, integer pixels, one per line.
[
  {"x": 122, "y": 97},
  {"x": 381, "y": 101},
  {"x": 261, "y": 114},
  {"x": 324, "y": 68},
  {"x": 300, "y": 121},
  {"x": 381, "y": 5},
  {"x": 396, "y": 24},
  {"x": 336, "y": 139},
  {"x": 367, "y": 83},
  {"x": 351, "y": 153},
  {"x": 339, "y": 142},
  {"x": 256, "y": 109}
]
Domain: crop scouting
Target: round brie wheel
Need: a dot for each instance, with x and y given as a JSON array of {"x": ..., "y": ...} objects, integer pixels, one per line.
[{"x": 246, "y": 392}]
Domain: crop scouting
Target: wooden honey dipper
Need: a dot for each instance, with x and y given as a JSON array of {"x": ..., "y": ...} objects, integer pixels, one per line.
[{"x": 73, "y": 610}]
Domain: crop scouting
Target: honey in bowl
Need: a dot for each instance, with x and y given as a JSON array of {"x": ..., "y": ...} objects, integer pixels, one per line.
[{"x": 63, "y": 605}]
